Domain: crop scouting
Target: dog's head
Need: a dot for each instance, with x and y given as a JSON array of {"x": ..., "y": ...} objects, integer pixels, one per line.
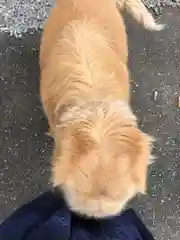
[{"x": 100, "y": 159}]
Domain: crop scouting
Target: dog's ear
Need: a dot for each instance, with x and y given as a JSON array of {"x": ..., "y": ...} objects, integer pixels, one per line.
[
  {"x": 75, "y": 143},
  {"x": 140, "y": 157},
  {"x": 60, "y": 170},
  {"x": 61, "y": 157},
  {"x": 136, "y": 145}
]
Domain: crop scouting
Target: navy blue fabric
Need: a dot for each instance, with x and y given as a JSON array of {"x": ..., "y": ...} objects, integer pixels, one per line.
[{"x": 48, "y": 218}]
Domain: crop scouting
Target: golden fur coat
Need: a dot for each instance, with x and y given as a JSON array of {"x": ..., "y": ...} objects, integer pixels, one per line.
[{"x": 100, "y": 157}]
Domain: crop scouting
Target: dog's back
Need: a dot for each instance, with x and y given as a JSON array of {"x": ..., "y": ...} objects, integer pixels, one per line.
[
  {"x": 67, "y": 11},
  {"x": 83, "y": 54}
]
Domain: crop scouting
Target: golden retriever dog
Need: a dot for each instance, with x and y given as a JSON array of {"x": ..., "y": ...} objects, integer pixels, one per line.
[{"x": 100, "y": 158}]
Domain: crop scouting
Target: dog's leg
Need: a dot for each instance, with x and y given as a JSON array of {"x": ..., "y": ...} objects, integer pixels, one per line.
[{"x": 138, "y": 10}]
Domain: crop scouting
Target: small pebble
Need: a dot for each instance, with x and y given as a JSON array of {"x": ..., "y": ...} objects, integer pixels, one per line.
[
  {"x": 179, "y": 102},
  {"x": 155, "y": 95}
]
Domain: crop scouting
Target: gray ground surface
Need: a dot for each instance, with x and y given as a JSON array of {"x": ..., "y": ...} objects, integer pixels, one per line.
[
  {"x": 155, "y": 65},
  {"x": 25, "y": 149}
]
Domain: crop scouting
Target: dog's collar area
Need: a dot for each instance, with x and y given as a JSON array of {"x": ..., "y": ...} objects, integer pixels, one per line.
[{"x": 67, "y": 110}]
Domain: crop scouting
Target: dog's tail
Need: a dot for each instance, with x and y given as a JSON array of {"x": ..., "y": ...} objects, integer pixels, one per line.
[{"x": 138, "y": 10}]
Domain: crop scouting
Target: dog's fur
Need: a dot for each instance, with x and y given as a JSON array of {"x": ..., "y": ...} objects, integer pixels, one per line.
[{"x": 100, "y": 158}]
